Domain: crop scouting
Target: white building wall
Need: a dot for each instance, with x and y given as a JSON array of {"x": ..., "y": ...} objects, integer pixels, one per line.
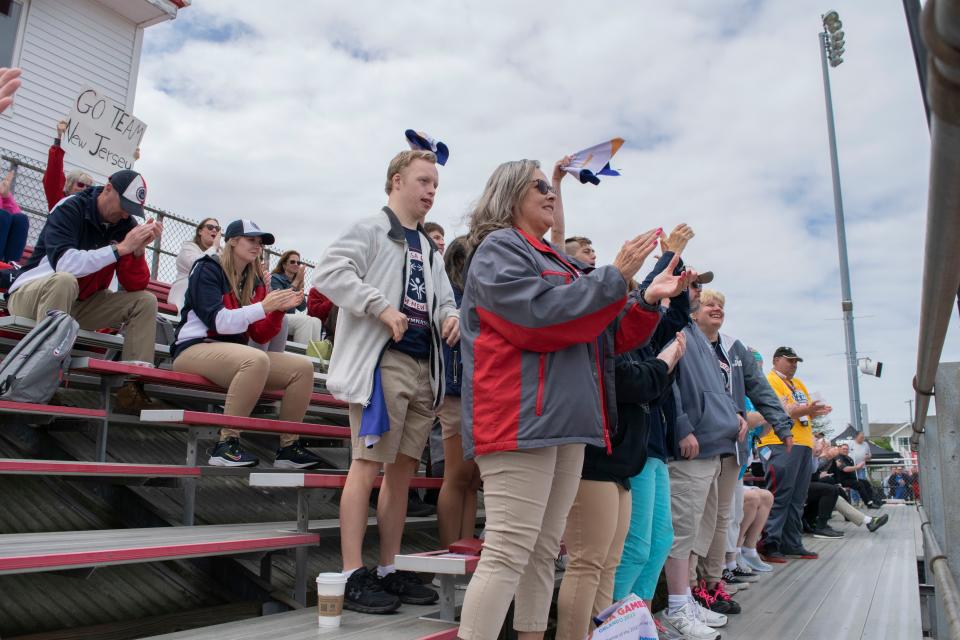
[{"x": 67, "y": 45}]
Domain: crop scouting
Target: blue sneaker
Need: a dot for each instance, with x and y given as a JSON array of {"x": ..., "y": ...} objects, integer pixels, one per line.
[
  {"x": 229, "y": 453},
  {"x": 295, "y": 456}
]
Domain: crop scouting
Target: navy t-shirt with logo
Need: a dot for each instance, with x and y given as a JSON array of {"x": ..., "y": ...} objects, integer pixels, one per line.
[{"x": 416, "y": 341}]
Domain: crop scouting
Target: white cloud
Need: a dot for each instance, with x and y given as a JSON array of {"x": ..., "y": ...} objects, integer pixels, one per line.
[{"x": 289, "y": 115}]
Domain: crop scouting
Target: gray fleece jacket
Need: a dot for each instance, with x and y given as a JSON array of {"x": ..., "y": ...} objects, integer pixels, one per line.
[{"x": 363, "y": 272}]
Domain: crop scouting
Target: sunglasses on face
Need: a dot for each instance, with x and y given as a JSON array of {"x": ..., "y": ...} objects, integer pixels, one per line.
[
  {"x": 696, "y": 285},
  {"x": 81, "y": 185},
  {"x": 211, "y": 227},
  {"x": 297, "y": 262},
  {"x": 543, "y": 186}
]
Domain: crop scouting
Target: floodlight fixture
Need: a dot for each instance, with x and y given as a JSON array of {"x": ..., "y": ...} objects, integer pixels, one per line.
[{"x": 831, "y": 22}]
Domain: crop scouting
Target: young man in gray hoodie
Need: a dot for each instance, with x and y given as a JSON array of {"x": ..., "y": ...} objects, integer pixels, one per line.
[{"x": 396, "y": 305}]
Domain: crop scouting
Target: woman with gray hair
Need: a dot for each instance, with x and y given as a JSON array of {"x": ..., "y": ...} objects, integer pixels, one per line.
[{"x": 538, "y": 337}]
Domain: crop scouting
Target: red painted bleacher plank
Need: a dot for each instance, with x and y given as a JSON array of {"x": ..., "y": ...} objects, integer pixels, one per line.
[
  {"x": 176, "y": 378},
  {"x": 201, "y": 419},
  {"x": 449, "y": 634},
  {"x": 49, "y": 409},
  {"x": 144, "y": 554},
  {"x": 58, "y": 467}
]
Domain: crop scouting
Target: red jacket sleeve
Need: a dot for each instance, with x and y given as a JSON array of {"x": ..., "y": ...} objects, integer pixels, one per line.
[
  {"x": 133, "y": 272},
  {"x": 318, "y": 305},
  {"x": 265, "y": 330},
  {"x": 634, "y": 328},
  {"x": 53, "y": 178}
]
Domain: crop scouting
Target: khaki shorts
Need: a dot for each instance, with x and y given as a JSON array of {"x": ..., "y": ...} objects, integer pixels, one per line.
[
  {"x": 450, "y": 417},
  {"x": 409, "y": 398},
  {"x": 690, "y": 498}
]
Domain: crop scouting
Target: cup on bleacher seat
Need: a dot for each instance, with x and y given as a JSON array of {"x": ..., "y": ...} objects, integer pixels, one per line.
[{"x": 330, "y": 587}]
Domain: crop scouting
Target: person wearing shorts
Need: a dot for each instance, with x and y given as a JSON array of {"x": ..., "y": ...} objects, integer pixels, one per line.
[{"x": 395, "y": 308}]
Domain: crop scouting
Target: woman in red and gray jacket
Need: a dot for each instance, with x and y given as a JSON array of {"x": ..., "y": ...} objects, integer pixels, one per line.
[{"x": 538, "y": 339}]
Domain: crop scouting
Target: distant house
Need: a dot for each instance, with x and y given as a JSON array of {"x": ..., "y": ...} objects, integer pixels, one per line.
[
  {"x": 64, "y": 46},
  {"x": 898, "y": 433}
]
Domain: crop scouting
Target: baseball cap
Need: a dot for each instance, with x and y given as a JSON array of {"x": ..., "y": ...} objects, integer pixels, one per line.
[
  {"x": 422, "y": 140},
  {"x": 705, "y": 278},
  {"x": 787, "y": 352},
  {"x": 247, "y": 228},
  {"x": 132, "y": 189}
]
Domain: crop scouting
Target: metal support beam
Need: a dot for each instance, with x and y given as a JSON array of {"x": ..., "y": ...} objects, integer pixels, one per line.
[
  {"x": 190, "y": 484},
  {"x": 303, "y": 523}
]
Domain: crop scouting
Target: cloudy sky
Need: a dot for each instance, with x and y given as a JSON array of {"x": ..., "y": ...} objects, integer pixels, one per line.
[{"x": 288, "y": 113}]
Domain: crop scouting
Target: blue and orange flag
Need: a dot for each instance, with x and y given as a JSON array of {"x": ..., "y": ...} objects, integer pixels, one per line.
[{"x": 594, "y": 161}]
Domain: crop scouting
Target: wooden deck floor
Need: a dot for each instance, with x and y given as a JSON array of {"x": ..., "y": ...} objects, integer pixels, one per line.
[{"x": 862, "y": 587}]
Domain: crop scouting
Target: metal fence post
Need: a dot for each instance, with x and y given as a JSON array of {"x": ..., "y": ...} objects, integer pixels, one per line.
[{"x": 155, "y": 265}]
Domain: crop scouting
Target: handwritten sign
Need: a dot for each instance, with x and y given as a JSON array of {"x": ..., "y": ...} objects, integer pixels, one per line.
[{"x": 101, "y": 133}]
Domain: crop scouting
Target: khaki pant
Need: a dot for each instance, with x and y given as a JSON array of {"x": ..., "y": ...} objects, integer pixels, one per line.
[
  {"x": 711, "y": 542},
  {"x": 245, "y": 372},
  {"x": 527, "y": 494},
  {"x": 596, "y": 528},
  {"x": 135, "y": 310},
  {"x": 849, "y": 512},
  {"x": 690, "y": 483},
  {"x": 409, "y": 397}
]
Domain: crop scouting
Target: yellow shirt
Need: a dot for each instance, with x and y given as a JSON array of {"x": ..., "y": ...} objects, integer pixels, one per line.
[{"x": 802, "y": 427}]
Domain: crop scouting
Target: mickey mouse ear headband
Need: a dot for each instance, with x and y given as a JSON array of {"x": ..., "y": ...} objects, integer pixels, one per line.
[{"x": 421, "y": 140}]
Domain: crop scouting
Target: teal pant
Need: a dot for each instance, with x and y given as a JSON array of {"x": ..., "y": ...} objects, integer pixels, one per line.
[{"x": 651, "y": 533}]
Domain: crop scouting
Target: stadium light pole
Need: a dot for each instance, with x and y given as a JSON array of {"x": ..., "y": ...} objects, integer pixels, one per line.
[{"x": 831, "y": 53}]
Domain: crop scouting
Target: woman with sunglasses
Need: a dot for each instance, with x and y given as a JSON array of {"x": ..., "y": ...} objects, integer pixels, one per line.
[
  {"x": 539, "y": 335},
  {"x": 227, "y": 305},
  {"x": 289, "y": 274},
  {"x": 205, "y": 242}
]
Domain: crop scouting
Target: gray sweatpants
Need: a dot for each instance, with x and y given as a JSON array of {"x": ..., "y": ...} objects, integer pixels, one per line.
[{"x": 788, "y": 477}]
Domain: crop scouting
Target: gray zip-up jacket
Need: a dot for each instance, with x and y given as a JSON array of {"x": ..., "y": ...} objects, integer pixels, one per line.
[
  {"x": 704, "y": 408},
  {"x": 539, "y": 337},
  {"x": 748, "y": 380},
  {"x": 363, "y": 272}
]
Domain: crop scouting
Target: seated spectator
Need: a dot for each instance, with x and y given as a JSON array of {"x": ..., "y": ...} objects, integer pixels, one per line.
[
  {"x": 9, "y": 83},
  {"x": 435, "y": 232},
  {"x": 757, "y": 503},
  {"x": 457, "y": 502},
  {"x": 898, "y": 484},
  {"x": 289, "y": 274},
  {"x": 226, "y": 305},
  {"x": 841, "y": 504},
  {"x": 206, "y": 242},
  {"x": 844, "y": 469},
  {"x": 581, "y": 249},
  {"x": 88, "y": 238},
  {"x": 821, "y": 501},
  {"x": 57, "y": 186},
  {"x": 14, "y": 225}
]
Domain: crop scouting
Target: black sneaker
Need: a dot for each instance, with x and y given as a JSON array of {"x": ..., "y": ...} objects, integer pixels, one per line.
[
  {"x": 802, "y": 553},
  {"x": 739, "y": 576},
  {"x": 771, "y": 553},
  {"x": 827, "y": 532},
  {"x": 409, "y": 588},
  {"x": 229, "y": 453},
  {"x": 807, "y": 527},
  {"x": 294, "y": 456},
  {"x": 720, "y": 595},
  {"x": 877, "y": 522},
  {"x": 365, "y": 594},
  {"x": 708, "y": 600}
]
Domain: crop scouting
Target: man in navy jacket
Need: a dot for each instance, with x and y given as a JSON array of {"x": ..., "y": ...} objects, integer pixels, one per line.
[{"x": 89, "y": 237}]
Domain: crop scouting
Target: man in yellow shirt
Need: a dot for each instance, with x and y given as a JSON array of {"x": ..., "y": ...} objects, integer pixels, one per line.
[{"x": 788, "y": 465}]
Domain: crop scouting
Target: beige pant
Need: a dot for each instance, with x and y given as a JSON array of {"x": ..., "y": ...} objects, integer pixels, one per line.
[
  {"x": 690, "y": 483},
  {"x": 136, "y": 310},
  {"x": 711, "y": 542},
  {"x": 409, "y": 397},
  {"x": 527, "y": 494},
  {"x": 303, "y": 328},
  {"x": 596, "y": 528},
  {"x": 848, "y": 511},
  {"x": 245, "y": 372}
]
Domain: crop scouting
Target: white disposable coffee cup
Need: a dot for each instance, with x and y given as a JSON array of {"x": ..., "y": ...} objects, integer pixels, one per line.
[{"x": 330, "y": 588}]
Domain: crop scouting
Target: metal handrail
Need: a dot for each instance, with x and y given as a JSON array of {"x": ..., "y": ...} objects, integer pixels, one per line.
[{"x": 945, "y": 583}]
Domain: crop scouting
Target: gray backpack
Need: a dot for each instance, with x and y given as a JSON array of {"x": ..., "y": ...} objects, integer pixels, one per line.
[{"x": 33, "y": 370}]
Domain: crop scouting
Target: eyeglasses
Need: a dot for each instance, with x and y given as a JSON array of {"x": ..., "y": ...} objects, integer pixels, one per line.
[
  {"x": 696, "y": 285},
  {"x": 82, "y": 185},
  {"x": 211, "y": 227},
  {"x": 543, "y": 186}
]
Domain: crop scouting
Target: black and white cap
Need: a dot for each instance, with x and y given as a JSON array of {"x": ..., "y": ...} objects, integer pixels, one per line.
[
  {"x": 132, "y": 189},
  {"x": 247, "y": 228}
]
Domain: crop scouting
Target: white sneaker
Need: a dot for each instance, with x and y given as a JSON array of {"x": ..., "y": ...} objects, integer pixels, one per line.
[
  {"x": 710, "y": 618},
  {"x": 753, "y": 563},
  {"x": 685, "y": 622}
]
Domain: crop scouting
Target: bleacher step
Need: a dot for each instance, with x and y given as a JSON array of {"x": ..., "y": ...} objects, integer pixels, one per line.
[{"x": 95, "y": 469}]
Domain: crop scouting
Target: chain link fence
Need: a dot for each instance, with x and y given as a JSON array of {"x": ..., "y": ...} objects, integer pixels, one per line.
[{"x": 162, "y": 256}]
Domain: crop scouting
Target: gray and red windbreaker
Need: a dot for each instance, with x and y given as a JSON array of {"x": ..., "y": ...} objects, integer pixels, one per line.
[{"x": 538, "y": 337}]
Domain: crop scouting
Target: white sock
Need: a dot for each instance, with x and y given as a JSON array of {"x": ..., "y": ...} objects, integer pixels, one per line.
[
  {"x": 867, "y": 519},
  {"x": 750, "y": 553},
  {"x": 731, "y": 565},
  {"x": 348, "y": 572},
  {"x": 383, "y": 571},
  {"x": 675, "y": 602}
]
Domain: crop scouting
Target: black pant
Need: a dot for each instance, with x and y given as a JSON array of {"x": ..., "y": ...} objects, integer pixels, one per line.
[
  {"x": 821, "y": 499},
  {"x": 864, "y": 488}
]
